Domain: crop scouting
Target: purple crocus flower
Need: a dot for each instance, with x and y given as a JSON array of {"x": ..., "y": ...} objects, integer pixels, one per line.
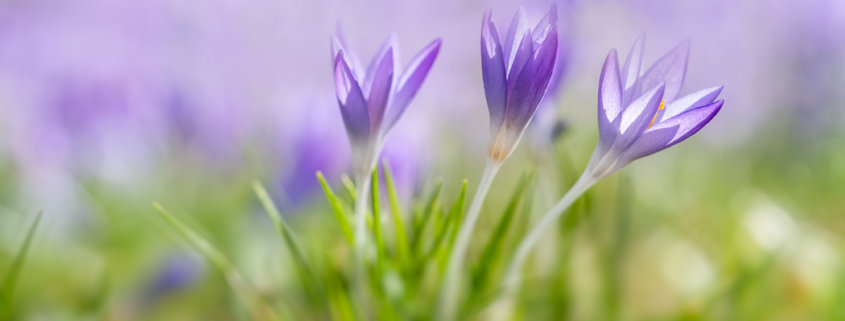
[
  {"x": 372, "y": 100},
  {"x": 640, "y": 114},
  {"x": 178, "y": 271},
  {"x": 516, "y": 74}
]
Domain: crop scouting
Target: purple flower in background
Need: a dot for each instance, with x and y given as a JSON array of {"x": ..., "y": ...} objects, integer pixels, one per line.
[
  {"x": 372, "y": 100},
  {"x": 177, "y": 272},
  {"x": 640, "y": 114},
  {"x": 516, "y": 74}
]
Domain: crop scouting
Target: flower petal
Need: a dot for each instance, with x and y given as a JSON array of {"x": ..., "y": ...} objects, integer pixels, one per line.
[
  {"x": 545, "y": 25},
  {"x": 353, "y": 106},
  {"x": 411, "y": 81},
  {"x": 693, "y": 100},
  {"x": 610, "y": 99},
  {"x": 391, "y": 43},
  {"x": 631, "y": 70},
  {"x": 639, "y": 114},
  {"x": 522, "y": 55},
  {"x": 379, "y": 94},
  {"x": 669, "y": 70},
  {"x": 672, "y": 131},
  {"x": 516, "y": 33},
  {"x": 493, "y": 70},
  {"x": 339, "y": 43},
  {"x": 531, "y": 84}
]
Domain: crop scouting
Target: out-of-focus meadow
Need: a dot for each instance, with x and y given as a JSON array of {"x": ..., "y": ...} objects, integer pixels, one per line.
[{"x": 108, "y": 106}]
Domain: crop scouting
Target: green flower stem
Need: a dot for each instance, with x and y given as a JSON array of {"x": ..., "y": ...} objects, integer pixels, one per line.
[
  {"x": 512, "y": 277},
  {"x": 449, "y": 291}
]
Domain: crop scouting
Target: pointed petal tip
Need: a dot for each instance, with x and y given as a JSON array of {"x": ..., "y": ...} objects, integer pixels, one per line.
[
  {"x": 553, "y": 14},
  {"x": 684, "y": 47},
  {"x": 435, "y": 44},
  {"x": 612, "y": 57}
]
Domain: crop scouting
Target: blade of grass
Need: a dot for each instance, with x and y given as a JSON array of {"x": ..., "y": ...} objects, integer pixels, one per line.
[
  {"x": 349, "y": 186},
  {"x": 377, "y": 218},
  {"x": 460, "y": 218},
  {"x": 337, "y": 209},
  {"x": 402, "y": 246},
  {"x": 287, "y": 235},
  {"x": 432, "y": 205},
  {"x": 7, "y": 289},
  {"x": 257, "y": 307},
  {"x": 341, "y": 302},
  {"x": 451, "y": 218}
]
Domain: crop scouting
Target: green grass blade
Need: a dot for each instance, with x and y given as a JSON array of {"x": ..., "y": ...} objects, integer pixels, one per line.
[
  {"x": 257, "y": 307},
  {"x": 349, "y": 186},
  {"x": 7, "y": 289},
  {"x": 377, "y": 217},
  {"x": 288, "y": 237},
  {"x": 459, "y": 219},
  {"x": 337, "y": 209},
  {"x": 492, "y": 253},
  {"x": 402, "y": 246},
  {"x": 452, "y": 218},
  {"x": 431, "y": 206}
]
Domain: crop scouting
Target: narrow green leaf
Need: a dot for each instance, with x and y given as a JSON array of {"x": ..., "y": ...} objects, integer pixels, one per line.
[
  {"x": 339, "y": 300},
  {"x": 431, "y": 206},
  {"x": 287, "y": 235},
  {"x": 337, "y": 209},
  {"x": 350, "y": 187},
  {"x": 7, "y": 289},
  {"x": 452, "y": 216},
  {"x": 255, "y": 304},
  {"x": 492, "y": 252},
  {"x": 377, "y": 217},
  {"x": 209, "y": 251},
  {"x": 459, "y": 219},
  {"x": 402, "y": 246}
]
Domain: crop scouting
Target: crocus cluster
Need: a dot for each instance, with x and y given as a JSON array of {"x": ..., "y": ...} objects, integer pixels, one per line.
[
  {"x": 640, "y": 112},
  {"x": 516, "y": 74}
]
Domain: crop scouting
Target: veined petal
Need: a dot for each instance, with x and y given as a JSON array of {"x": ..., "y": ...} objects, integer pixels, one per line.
[
  {"x": 610, "y": 99},
  {"x": 669, "y": 70},
  {"x": 493, "y": 70},
  {"x": 411, "y": 81},
  {"x": 639, "y": 114},
  {"x": 531, "y": 84},
  {"x": 693, "y": 100},
  {"x": 672, "y": 131},
  {"x": 631, "y": 70},
  {"x": 380, "y": 90},
  {"x": 353, "y": 106},
  {"x": 389, "y": 44}
]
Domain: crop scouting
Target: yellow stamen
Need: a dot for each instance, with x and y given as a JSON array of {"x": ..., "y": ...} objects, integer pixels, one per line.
[{"x": 662, "y": 103}]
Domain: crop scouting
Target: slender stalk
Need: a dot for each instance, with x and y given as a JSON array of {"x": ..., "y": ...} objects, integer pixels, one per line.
[
  {"x": 362, "y": 185},
  {"x": 363, "y": 181},
  {"x": 449, "y": 291},
  {"x": 531, "y": 239}
]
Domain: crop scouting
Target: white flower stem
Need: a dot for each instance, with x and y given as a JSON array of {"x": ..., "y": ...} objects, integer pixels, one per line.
[
  {"x": 362, "y": 187},
  {"x": 363, "y": 181},
  {"x": 450, "y": 288},
  {"x": 512, "y": 277}
]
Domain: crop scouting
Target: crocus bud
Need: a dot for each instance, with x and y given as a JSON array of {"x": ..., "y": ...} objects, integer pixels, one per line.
[
  {"x": 516, "y": 75},
  {"x": 372, "y": 100}
]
